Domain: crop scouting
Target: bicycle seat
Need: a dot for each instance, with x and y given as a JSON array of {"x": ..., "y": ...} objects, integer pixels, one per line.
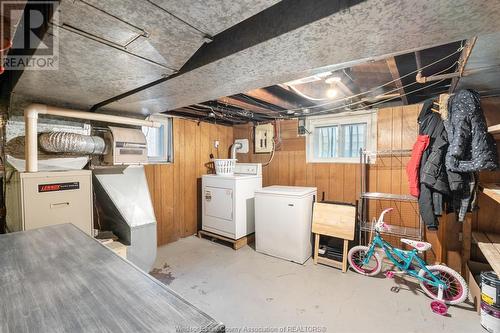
[{"x": 420, "y": 246}]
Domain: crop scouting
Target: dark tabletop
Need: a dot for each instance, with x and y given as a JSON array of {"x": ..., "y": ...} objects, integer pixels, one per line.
[{"x": 58, "y": 279}]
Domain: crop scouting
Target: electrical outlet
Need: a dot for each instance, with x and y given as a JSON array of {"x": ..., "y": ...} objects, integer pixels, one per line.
[{"x": 216, "y": 144}]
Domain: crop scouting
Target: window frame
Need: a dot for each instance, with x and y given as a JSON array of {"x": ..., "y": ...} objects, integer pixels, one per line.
[
  {"x": 168, "y": 153},
  {"x": 346, "y": 118}
]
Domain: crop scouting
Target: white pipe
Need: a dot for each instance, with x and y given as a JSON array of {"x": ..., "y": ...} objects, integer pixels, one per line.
[
  {"x": 424, "y": 79},
  {"x": 31, "y": 121},
  {"x": 234, "y": 147}
]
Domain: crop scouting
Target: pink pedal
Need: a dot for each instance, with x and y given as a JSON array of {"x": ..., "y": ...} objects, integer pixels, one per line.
[
  {"x": 389, "y": 274},
  {"x": 439, "y": 308}
]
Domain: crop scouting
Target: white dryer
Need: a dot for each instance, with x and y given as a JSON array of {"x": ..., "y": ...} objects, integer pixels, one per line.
[{"x": 228, "y": 201}]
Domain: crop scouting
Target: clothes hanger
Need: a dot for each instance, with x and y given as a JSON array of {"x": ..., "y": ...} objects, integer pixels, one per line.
[
  {"x": 443, "y": 105},
  {"x": 435, "y": 107}
]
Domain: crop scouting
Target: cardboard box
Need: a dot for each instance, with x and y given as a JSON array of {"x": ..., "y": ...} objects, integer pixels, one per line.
[{"x": 473, "y": 275}]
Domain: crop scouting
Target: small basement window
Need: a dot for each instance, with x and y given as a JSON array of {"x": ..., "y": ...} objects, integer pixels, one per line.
[
  {"x": 338, "y": 138},
  {"x": 159, "y": 140}
]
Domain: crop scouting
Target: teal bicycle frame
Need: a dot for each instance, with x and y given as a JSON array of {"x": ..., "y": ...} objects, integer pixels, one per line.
[{"x": 407, "y": 261}]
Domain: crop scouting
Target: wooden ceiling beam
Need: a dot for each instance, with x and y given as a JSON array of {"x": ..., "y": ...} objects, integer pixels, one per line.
[
  {"x": 245, "y": 106},
  {"x": 393, "y": 69},
  {"x": 266, "y": 96},
  {"x": 462, "y": 62}
]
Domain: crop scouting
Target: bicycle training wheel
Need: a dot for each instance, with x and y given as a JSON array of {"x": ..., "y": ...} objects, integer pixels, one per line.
[
  {"x": 356, "y": 257},
  {"x": 457, "y": 290}
]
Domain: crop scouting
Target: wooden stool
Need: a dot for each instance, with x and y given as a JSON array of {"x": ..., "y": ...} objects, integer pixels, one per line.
[{"x": 334, "y": 220}]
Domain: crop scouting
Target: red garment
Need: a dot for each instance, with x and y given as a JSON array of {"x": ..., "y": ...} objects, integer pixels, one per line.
[{"x": 413, "y": 166}]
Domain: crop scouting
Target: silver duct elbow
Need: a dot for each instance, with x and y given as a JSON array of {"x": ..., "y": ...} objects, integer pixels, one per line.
[{"x": 64, "y": 142}]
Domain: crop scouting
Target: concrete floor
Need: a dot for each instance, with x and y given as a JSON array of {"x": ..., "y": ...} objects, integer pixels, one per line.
[{"x": 246, "y": 289}]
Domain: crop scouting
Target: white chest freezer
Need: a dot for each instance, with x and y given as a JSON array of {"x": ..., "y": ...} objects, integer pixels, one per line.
[{"x": 283, "y": 216}]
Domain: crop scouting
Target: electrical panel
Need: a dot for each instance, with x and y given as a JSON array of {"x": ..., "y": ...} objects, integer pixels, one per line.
[{"x": 264, "y": 136}]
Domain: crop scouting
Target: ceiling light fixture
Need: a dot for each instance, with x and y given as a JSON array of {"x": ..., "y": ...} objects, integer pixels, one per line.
[{"x": 332, "y": 93}]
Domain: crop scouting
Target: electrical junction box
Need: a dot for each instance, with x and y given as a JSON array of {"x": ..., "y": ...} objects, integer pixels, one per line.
[
  {"x": 244, "y": 146},
  {"x": 263, "y": 138}
]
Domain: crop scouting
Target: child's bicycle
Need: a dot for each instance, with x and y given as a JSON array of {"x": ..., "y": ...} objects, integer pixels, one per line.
[{"x": 441, "y": 283}]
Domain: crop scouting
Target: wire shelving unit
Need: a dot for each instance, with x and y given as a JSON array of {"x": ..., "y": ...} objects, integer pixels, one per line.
[{"x": 364, "y": 223}]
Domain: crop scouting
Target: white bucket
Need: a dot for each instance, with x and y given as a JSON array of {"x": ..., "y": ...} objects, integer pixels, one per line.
[{"x": 490, "y": 318}]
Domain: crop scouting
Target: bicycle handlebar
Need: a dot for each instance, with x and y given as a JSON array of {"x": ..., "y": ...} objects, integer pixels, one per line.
[{"x": 379, "y": 226}]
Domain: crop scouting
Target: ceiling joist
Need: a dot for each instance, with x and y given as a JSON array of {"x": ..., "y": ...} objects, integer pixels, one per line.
[
  {"x": 245, "y": 105},
  {"x": 393, "y": 69}
]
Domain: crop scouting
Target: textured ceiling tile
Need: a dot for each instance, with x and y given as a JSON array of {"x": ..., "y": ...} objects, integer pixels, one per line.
[
  {"x": 175, "y": 41},
  {"x": 372, "y": 29},
  {"x": 214, "y": 16},
  {"x": 88, "y": 73},
  {"x": 89, "y": 20}
]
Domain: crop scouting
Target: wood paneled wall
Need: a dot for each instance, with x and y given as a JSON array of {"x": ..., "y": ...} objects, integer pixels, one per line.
[
  {"x": 174, "y": 187},
  {"x": 397, "y": 129}
]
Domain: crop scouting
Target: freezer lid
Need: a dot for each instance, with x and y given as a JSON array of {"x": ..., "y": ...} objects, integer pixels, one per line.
[
  {"x": 231, "y": 177},
  {"x": 295, "y": 191}
]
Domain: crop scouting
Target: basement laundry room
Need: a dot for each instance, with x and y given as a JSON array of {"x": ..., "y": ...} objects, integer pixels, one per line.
[{"x": 249, "y": 166}]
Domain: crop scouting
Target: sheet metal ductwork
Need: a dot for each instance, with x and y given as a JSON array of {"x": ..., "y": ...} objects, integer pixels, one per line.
[
  {"x": 124, "y": 207},
  {"x": 64, "y": 142}
]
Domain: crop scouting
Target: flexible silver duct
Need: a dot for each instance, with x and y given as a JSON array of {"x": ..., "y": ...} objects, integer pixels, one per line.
[{"x": 64, "y": 142}]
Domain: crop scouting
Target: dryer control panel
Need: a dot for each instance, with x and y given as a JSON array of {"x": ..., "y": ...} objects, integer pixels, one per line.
[{"x": 248, "y": 169}]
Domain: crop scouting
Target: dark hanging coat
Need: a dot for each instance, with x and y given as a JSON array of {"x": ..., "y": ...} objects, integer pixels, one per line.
[
  {"x": 437, "y": 183},
  {"x": 433, "y": 175},
  {"x": 472, "y": 148}
]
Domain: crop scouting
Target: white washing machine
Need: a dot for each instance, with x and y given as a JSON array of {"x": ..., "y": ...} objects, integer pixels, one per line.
[
  {"x": 228, "y": 201},
  {"x": 283, "y": 218}
]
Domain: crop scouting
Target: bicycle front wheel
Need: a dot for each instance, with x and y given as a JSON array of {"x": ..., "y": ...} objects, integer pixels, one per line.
[
  {"x": 456, "y": 291},
  {"x": 356, "y": 257}
]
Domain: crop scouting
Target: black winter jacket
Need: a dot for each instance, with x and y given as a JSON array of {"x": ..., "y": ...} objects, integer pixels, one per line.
[
  {"x": 472, "y": 148},
  {"x": 433, "y": 171},
  {"x": 433, "y": 176},
  {"x": 435, "y": 179}
]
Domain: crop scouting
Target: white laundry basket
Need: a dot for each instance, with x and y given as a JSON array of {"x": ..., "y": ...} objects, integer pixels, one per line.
[{"x": 225, "y": 167}]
